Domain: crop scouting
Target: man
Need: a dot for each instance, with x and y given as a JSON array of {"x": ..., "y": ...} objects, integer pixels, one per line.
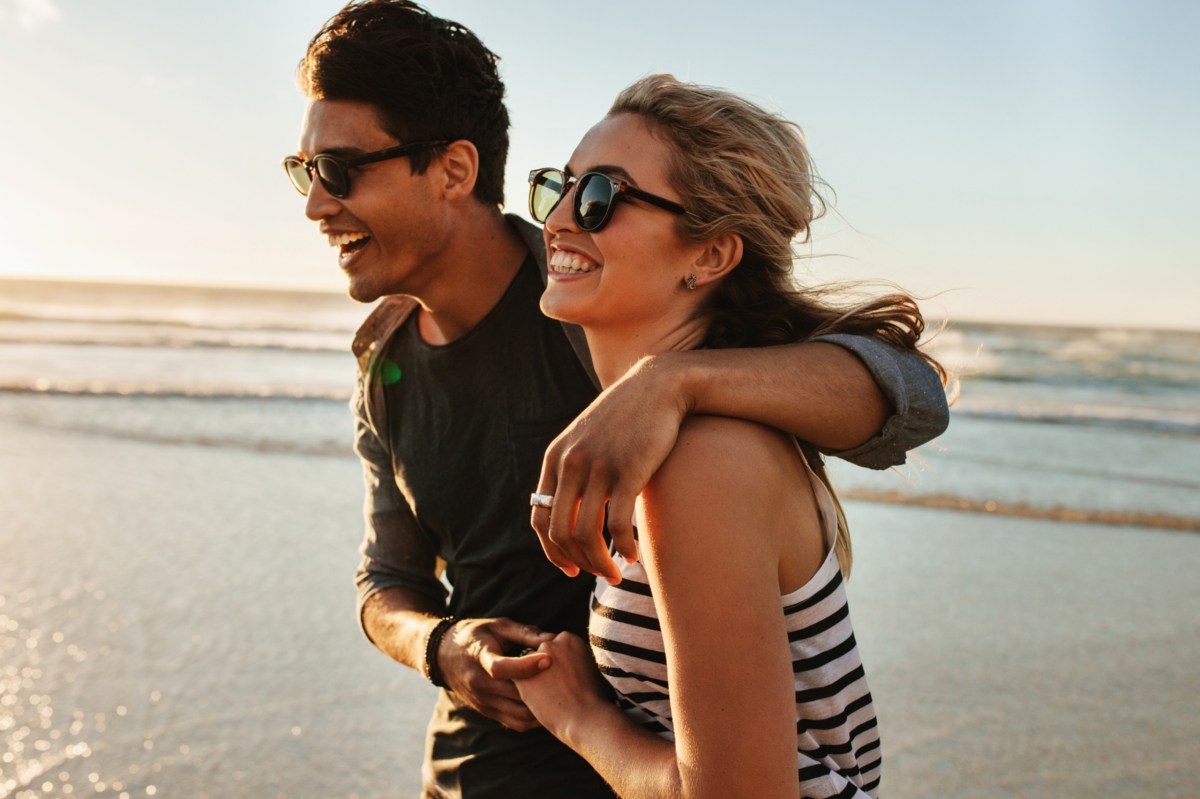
[{"x": 464, "y": 385}]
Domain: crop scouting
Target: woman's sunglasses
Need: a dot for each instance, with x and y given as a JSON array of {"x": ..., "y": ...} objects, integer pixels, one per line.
[
  {"x": 334, "y": 171},
  {"x": 595, "y": 196}
]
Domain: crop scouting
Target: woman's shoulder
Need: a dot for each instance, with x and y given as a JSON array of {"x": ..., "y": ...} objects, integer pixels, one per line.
[
  {"x": 722, "y": 443},
  {"x": 731, "y": 492},
  {"x": 720, "y": 463}
]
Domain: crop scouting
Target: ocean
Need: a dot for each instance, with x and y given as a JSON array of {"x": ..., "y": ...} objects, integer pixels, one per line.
[
  {"x": 182, "y": 505},
  {"x": 1094, "y": 424}
]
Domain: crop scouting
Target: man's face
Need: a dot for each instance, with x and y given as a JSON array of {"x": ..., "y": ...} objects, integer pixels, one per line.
[{"x": 384, "y": 228}]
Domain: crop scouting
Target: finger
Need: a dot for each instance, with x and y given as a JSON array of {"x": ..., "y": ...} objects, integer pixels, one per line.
[
  {"x": 548, "y": 478},
  {"x": 518, "y": 668},
  {"x": 550, "y": 524},
  {"x": 547, "y": 481},
  {"x": 540, "y": 520},
  {"x": 589, "y": 537},
  {"x": 620, "y": 522},
  {"x": 562, "y": 522}
]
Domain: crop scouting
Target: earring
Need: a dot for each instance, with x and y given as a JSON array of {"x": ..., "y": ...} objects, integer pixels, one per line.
[{"x": 691, "y": 282}]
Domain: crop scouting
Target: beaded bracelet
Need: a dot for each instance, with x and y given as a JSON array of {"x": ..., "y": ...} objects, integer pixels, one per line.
[{"x": 432, "y": 672}]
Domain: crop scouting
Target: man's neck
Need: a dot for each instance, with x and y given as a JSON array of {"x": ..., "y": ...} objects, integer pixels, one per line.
[{"x": 476, "y": 268}]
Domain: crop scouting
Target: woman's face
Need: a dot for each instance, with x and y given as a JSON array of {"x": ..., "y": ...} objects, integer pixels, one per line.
[{"x": 631, "y": 272}]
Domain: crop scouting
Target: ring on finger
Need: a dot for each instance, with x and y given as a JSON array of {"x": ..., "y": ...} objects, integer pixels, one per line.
[{"x": 541, "y": 500}]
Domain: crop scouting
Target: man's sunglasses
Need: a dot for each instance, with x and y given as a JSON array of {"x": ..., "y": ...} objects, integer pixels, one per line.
[
  {"x": 595, "y": 196},
  {"x": 334, "y": 171}
]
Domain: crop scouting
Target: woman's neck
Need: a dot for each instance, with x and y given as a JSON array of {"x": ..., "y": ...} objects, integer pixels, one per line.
[{"x": 614, "y": 352}]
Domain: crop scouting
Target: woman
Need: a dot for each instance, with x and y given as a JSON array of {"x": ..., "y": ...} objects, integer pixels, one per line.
[{"x": 671, "y": 229}]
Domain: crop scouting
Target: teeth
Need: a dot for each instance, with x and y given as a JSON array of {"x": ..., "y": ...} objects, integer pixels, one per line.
[
  {"x": 342, "y": 239},
  {"x": 571, "y": 262}
]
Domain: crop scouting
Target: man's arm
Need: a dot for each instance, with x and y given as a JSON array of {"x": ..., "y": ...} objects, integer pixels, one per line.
[
  {"x": 914, "y": 391},
  {"x": 850, "y": 394},
  {"x": 470, "y": 657},
  {"x": 401, "y": 601}
]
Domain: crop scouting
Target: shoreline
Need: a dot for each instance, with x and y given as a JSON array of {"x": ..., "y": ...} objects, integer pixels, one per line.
[
  {"x": 991, "y": 507},
  {"x": 911, "y": 499}
]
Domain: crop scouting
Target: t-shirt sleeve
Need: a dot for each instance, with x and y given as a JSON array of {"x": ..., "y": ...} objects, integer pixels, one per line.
[
  {"x": 915, "y": 392},
  {"x": 396, "y": 551}
]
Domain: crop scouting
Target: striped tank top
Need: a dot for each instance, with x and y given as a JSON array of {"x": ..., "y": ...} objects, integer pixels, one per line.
[{"x": 837, "y": 735}]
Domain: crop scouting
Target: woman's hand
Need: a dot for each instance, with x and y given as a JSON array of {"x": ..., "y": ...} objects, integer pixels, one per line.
[
  {"x": 567, "y": 692},
  {"x": 601, "y": 461}
]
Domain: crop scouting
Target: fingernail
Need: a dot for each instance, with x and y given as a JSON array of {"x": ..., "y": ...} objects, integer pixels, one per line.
[{"x": 544, "y": 664}]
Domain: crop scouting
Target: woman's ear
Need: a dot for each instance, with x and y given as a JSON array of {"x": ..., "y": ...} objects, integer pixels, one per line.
[
  {"x": 460, "y": 166},
  {"x": 717, "y": 258}
]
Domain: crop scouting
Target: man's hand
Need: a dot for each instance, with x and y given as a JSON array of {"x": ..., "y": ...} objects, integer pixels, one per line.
[
  {"x": 476, "y": 667},
  {"x": 606, "y": 457}
]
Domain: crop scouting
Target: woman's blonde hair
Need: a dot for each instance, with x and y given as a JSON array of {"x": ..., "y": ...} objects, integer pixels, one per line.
[{"x": 742, "y": 169}]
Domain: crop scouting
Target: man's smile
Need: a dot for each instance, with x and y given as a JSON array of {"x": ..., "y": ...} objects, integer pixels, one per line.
[{"x": 348, "y": 244}]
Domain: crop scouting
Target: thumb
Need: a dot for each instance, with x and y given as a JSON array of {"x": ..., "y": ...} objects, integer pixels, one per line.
[{"x": 515, "y": 668}]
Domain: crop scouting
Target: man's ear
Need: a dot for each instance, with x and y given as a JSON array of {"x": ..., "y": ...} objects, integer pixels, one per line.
[
  {"x": 459, "y": 163},
  {"x": 718, "y": 257}
]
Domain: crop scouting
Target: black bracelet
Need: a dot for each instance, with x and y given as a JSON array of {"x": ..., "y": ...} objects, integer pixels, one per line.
[{"x": 432, "y": 672}]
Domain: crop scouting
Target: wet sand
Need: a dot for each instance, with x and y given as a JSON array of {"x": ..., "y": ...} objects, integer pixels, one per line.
[
  {"x": 1019, "y": 657},
  {"x": 182, "y": 616}
]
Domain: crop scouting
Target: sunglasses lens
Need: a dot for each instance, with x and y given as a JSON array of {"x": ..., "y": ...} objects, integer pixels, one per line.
[
  {"x": 544, "y": 193},
  {"x": 332, "y": 175},
  {"x": 298, "y": 174},
  {"x": 593, "y": 200}
]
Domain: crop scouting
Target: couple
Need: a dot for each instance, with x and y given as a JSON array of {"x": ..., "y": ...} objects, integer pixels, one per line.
[{"x": 666, "y": 256}]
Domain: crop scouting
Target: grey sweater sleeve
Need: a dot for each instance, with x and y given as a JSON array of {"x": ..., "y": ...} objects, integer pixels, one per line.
[
  {"x": 396, "y": 552},
  {"x": 913, "y": 388}
]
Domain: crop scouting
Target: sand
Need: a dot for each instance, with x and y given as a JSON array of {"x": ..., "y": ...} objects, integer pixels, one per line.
[{"x": 182, "y": 616}]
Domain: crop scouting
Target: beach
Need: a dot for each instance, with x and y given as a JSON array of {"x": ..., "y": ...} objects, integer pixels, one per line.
[
  {"x": 181, "y": 618},
  {"x": 182, "y": 516}
]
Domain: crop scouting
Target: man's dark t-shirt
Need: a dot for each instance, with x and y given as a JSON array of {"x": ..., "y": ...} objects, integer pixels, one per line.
[{"x": 467, "y": 425}]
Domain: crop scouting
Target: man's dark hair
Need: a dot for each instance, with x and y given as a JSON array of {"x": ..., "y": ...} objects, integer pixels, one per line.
[{"x": 430, "y": 78}]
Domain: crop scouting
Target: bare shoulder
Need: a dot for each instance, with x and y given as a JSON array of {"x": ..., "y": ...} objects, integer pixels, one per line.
[
  {"x": 723, "y": 467},
  {"x": 720, "y": 444}
]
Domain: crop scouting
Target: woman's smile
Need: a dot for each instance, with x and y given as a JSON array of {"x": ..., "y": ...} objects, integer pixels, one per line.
[{"x": 570, "y": 262}]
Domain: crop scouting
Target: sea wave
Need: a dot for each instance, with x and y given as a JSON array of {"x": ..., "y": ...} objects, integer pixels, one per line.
[
  {"x": 339, "y": 447},
  {"x": 276, "y": 445},
  {"x": 306, "y": 341},
  {"x": 187, "y": 320},
  {"x": 173, "y": 391},
  {"x": 1157, "y": 420},
  {"x": 100, "y": 303},
  {"x": 1133, "y": 360}
]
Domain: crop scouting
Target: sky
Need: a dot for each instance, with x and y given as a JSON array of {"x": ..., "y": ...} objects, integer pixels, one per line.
[{"x": 1025, "y": 161}]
